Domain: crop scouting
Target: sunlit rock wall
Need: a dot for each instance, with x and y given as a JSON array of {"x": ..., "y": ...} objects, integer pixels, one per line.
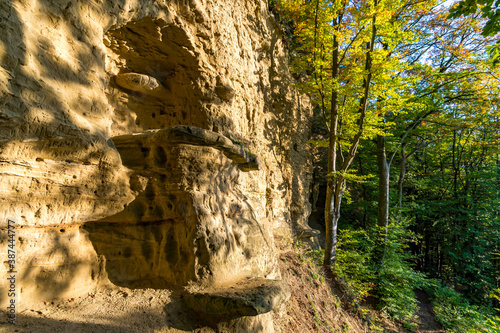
[{"x": 76, "y": 74}]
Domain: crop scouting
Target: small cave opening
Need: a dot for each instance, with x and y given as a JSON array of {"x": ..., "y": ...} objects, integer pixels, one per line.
[{"x": 155, "y": 78}]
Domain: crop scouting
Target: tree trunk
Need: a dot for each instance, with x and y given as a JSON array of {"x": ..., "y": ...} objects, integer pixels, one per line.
[
  {"x": 383, "y": 201},
  {"x": 336, "y": 181},
  {"x": 334, "y": 199},
  {"x": 332, "y": 205},
  {"x": 402, "y": 174},
  {"x": 365, "y": 197},
  {"x": 383, "y": 185}
]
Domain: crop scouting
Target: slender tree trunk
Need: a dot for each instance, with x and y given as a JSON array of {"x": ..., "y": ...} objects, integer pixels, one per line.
[
  {"x": 454, "y": 165},
  {"x": 335, "y": 200},
  {"x": 365, "y": 198},
  {"x": 383, "y": 201},
  {"x": 332, "y": 205},
  {"x": 315, "y": 28},
  {"x": 336, "y": 184},
  {"x": 402, "y": 174},
  {"x": 383, "y": 185}
]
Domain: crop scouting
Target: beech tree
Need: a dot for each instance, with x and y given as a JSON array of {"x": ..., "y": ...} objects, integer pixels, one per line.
[
  {"x": 401, "y": 79},
  {"x": 345, "y": 48}
]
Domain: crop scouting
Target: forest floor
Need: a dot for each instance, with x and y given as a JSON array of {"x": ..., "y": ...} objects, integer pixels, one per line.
[
  {"x": 107, "y": 310},
  {"x": 428, "y": 323},
  {"x": 313, "y": 305},
  {"x": 318, "y": 303}
]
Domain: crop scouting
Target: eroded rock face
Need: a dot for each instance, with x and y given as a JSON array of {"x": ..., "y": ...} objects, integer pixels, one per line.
[
  {"x": 74, "y": 74},
  {"x": 191, "y": 224},
  {"x": 54, "y": 263}
]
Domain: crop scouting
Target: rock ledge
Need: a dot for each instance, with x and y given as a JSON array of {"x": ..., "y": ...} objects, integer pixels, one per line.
[
  {"x": 193, "y": 136},
  {"x": 250, "y": 297}
]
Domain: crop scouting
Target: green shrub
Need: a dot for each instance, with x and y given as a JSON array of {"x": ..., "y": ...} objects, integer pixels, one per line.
[
  {"x": 352, "y": 264},
  {"x": 455, "y": 313},
  {"x": 396, "y": 279},
  {"x": 393, "y": 281}
]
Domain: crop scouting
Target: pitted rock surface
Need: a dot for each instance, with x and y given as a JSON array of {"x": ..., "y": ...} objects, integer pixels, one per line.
[
  {"x": 191, "y": 223},
  {"x": 190, "y": 135}
]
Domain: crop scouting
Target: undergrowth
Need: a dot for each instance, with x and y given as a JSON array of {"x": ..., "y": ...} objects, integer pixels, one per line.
[
  {"x": 457, "y": 315},
  {"x": 351, "y": 291},
  {"x": 396, "y": 279},
  {"x": 390, "y": 279}
]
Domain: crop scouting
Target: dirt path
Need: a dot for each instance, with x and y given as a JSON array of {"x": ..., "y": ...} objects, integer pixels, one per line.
[{"x": 428, "y": 323}]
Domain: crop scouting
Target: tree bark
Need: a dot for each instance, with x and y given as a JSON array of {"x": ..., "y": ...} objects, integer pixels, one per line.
[
  {"x": 402, "y": 174},
  {"x": 365, "y": 198},
  {"x": 383, "y": 185},
  {"x": 332, "y": 209},
  {"x": 334, "y": 198},
  {"x": 383, "y": 200}
]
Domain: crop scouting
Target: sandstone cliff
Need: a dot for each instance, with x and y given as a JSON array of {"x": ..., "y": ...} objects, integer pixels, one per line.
[{"x": 149, "y": 144}]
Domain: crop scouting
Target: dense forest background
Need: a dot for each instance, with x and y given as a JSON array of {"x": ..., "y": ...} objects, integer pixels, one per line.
[{"x": 407, "y": 137}]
